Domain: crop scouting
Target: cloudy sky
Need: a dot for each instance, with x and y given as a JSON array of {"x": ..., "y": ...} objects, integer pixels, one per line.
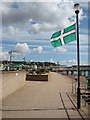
[{"x": 27, "y": 27}]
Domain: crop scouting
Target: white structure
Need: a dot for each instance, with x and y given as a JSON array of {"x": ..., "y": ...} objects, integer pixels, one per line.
[{"x": 1, "y": 67}]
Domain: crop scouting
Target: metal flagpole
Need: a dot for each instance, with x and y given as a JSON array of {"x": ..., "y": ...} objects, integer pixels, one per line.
[{"x": 76, "y": 6}]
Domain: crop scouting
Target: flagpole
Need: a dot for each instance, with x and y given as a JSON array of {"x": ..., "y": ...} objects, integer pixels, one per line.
[{"x": 76, "y": 6}]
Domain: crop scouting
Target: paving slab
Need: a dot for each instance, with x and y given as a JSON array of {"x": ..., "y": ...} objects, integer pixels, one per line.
[{"x": 41, "y": 100}]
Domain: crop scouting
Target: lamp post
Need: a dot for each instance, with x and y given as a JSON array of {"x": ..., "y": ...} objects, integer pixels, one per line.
[{"x": 77, "y": 7}]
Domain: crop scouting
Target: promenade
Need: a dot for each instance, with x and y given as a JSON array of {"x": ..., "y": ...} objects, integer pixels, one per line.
[{"x": 51, "y": 99}]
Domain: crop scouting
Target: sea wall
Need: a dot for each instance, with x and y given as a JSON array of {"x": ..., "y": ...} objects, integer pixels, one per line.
[
  {"x": 11, "y": 81},
  {"x": 0, "y": 94}
]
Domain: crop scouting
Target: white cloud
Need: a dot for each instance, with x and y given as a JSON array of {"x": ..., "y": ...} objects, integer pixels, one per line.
[
  {"x": 60, "y": 50},
  {"x": 38, "y": 16},
  {"x": 8, "y": 0},
  {"x": 4, "y": 55},
  {"x": 11, "y": 31},
  {"x": 22, "y": 48},
  {"x": 35, "y": 41},
  {"x": 52, "y": 61},
  {"x": 38, "y": 49},
  {"x": 81, "y": 1},
  {"x": 44, "y": 27},
  {"x": 76, "y": 1}
]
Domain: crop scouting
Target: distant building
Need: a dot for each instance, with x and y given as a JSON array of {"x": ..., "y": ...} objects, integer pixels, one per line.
[{"x": 1, "y": 67}]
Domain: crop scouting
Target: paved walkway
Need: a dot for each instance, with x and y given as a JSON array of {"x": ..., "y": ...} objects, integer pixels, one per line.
[{"x": 50, "y": 99}]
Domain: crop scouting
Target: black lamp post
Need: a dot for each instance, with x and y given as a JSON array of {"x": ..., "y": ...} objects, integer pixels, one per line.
[{"x": 76, "y": 7}]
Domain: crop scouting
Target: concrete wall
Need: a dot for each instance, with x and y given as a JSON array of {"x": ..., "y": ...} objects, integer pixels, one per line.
[
  {"x": 0, "y": 94},
  {"x": 11, "y": 81}
]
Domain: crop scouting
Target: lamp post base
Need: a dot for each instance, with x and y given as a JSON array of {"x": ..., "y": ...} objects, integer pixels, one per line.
[{"x": 78, "y": 98}]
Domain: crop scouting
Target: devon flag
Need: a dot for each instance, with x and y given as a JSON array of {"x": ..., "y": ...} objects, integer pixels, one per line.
[{"x": 64, "y": 36}]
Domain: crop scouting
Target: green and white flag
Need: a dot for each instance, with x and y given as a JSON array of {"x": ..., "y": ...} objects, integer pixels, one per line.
[{"x": 64, "y": 36}]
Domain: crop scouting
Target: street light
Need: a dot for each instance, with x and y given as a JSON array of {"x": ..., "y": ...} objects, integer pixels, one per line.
[{"x": 77, "y": 8}]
